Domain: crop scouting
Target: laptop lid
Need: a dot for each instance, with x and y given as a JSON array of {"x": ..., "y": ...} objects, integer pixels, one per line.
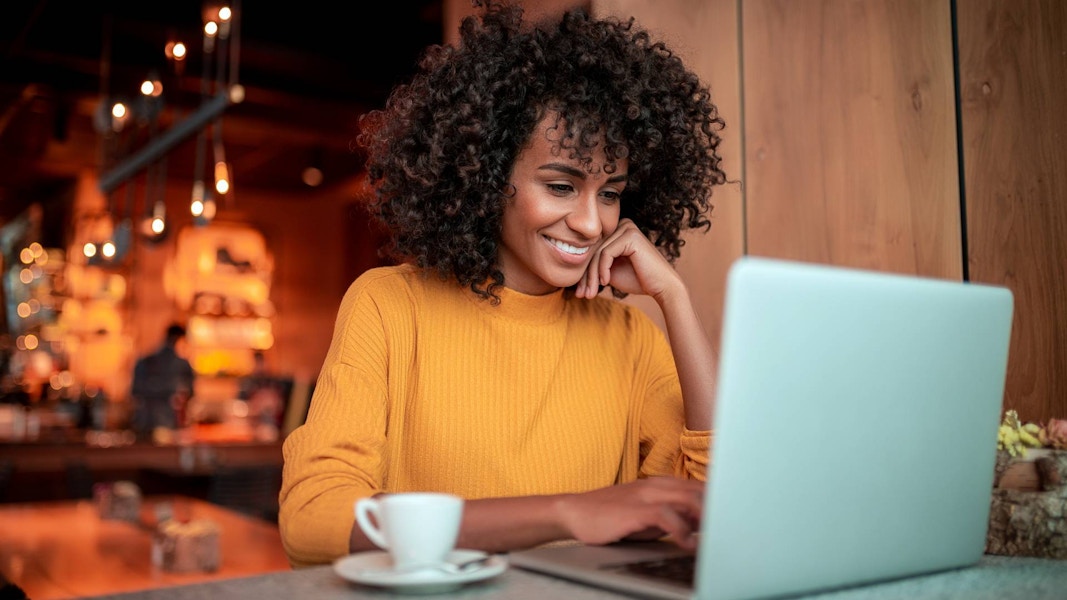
[
  {"x": 855, "y": 427},
  {"x": 855, "y": 434}
]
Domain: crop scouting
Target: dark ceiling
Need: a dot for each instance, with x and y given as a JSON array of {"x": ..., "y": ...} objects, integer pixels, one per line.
[{"x": 309, "y": 69}]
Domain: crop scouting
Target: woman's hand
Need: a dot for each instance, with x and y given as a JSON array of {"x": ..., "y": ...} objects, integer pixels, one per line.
[
  {"x": 631, "y": 263},
  {"x": 645, "y": 509}
]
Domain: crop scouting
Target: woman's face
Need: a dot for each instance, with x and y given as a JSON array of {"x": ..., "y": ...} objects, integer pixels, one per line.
[{"x": 559, "y": 215}]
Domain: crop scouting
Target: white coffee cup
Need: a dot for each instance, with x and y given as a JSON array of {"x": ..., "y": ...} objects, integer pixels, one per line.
[{"x": 418, "y": 529}]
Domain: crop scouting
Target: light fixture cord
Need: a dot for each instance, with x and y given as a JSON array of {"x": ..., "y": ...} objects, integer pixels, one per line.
[
  {"x": 201, "y": 136},
  {"x": 221, "y": 44}
]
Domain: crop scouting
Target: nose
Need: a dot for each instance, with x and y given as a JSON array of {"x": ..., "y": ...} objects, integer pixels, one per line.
[{"x": 585, "y": 217}]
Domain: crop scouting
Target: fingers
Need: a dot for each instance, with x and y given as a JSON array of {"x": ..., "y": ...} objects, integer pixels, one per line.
[
  {"x": 678, "y": 504},
  {"x": 629, "y": 262},
  {"x": 619, "y": 243},
  {"x": 598, "y": 272},
  {"x": 644, "y": 509},
  {"x": 588, "y": 285},
  {"x": 681, "y": 526}
]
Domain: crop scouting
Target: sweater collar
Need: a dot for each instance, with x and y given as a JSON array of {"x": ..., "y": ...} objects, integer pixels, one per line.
[{"x": 524, "y": 307}]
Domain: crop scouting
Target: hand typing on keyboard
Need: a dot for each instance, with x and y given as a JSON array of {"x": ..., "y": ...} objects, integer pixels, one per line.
[{"x": 645, "y": 509}]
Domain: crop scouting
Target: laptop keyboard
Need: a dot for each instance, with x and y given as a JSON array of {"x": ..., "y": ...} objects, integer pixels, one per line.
[{"x": 679, "y": 569}]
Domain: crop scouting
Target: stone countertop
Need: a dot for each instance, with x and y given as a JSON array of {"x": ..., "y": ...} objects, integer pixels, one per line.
[{"x": 994, "y": 578}]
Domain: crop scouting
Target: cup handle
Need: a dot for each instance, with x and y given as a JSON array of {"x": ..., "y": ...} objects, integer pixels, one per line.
[{"x": 366, "y": 508}]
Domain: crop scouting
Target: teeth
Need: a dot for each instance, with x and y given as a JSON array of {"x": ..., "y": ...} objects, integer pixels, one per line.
[{"x": 569, "y": 249}]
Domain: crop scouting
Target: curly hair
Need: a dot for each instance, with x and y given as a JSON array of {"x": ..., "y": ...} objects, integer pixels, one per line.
[{"x": 441, "y": 152}]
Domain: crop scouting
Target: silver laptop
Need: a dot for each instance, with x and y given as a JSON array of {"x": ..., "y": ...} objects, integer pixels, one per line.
[{"x": 855, "y": 438}]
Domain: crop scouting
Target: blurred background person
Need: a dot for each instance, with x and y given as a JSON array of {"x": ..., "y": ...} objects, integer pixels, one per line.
[{"x": 163, "y": 383}]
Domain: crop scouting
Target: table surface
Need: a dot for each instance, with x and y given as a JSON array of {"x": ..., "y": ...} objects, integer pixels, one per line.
[
  {"x": 58, "y": 550},
  {"x": 63, "y": 549},
  {"x": 994, "y": 578}
]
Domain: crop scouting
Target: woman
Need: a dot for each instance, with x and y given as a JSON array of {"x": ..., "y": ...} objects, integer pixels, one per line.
[{"x": 520, "y": 174}]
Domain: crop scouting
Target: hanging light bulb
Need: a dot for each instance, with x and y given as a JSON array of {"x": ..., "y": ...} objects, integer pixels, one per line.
[
  {"x": 312, "y": 175},
  {"x": 154, "y": 224},
  {"x": 152, "y": 86},
  {"x": 224, "y": 15},
  {"x": 196, "y": 207},
  {"x": 207, "y": 212},
  {"x": 222, "y": 177},
  {"x": 211, "y": 31},
  {"x": 202, "y": 207},
  {"x": 120, "y": 114},
  {"x": 159, "y": 216}
]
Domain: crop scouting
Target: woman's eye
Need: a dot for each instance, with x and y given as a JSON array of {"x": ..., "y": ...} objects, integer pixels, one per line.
[
  {"x": 610, "y": 196},
  {"x": 560, "y": 188}
]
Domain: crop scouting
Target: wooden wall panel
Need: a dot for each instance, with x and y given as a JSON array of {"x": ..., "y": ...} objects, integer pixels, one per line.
[
  {"x": 850, "y": 134},
  {"x": 454, "y": 11},
  {"x": 704, "y": 33},
  {"x": 1013, "y": 88}
]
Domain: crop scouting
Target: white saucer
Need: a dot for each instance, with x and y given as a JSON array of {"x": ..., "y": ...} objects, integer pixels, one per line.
[{"x": 374, "y": 568}]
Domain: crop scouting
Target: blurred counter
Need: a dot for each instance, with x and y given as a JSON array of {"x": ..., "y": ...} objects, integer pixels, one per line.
[
  {"x": 196, "y": 456},
  {"x": 61, "y": 470}
]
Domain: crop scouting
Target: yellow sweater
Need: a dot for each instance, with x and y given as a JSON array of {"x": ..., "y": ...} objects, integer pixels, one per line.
[{"x": 428, "y": 387}]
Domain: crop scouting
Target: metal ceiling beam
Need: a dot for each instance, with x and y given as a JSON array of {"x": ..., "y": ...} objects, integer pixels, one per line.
[{"x": 155, "y": 149}]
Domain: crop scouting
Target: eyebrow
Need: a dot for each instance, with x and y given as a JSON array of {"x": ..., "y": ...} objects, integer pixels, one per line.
[{"x": 575, "y": 172}]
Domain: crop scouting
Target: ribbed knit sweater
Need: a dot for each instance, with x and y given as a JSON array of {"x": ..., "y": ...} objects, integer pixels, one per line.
[{"x": 426, "y": 386}]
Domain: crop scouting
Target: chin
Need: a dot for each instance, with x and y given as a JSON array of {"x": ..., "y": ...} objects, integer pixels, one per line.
[
  {"x": 568, "y": 286},
  {"x": 565, "y": 281}
]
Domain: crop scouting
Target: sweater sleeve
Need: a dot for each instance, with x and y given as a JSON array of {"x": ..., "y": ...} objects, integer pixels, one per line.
[
  {"x": 335, "y": 457},
  {"x": 667, "y": 447}
]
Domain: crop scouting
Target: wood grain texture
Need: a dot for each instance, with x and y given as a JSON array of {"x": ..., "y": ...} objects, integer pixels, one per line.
[
  {"x": 1013, "y": 87},
  {"x": 704, "y": 34},
  {"x": 850, "y": 134}
]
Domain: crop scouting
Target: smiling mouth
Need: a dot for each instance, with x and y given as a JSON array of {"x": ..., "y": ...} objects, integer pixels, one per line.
[{"x": 565, "y": 247}]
